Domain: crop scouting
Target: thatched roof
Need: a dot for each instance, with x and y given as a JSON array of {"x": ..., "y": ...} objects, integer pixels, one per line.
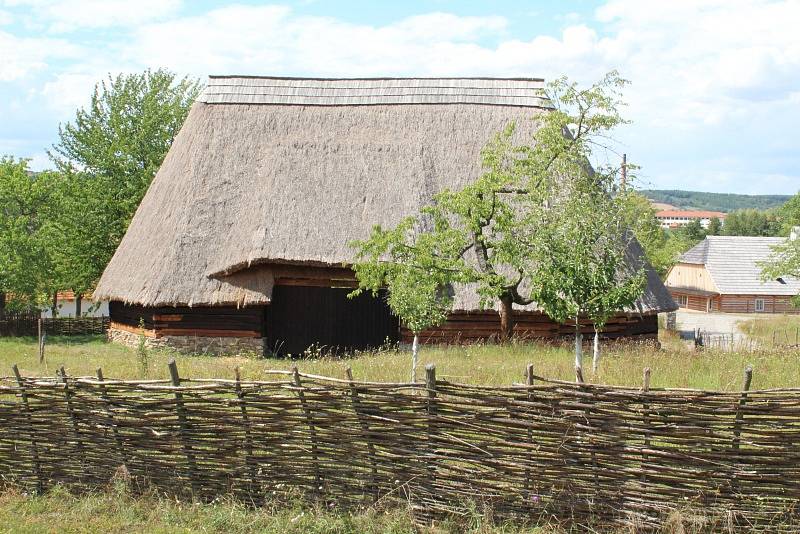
[{"x": 285, "y": 170}]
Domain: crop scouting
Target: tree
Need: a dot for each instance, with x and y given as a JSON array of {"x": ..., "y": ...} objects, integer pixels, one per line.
[
  {"x": 417, "y": 294},
  {"x": 24, "y": 254},
  {"x": 784, "y": 262},
  {"x": 789, "y": 213},
  {"x": 640, "y": 217},
  {"x": 581, "y": 268},
  {"x": 484, "y": 234},
  {"x": 714, "y": 226},
  {"x": 693, "y": 231},
  {"x": 752, "y": 223},
  {"x": 108, "y": 156}
]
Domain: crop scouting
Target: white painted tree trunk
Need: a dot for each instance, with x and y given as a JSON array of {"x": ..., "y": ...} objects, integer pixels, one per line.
[
  {"x": 596, "y": 350},
  {"x": 578, "y": 345},
  {"x": 414, "y": 357}
]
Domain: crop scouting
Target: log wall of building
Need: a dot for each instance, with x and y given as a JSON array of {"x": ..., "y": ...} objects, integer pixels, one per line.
[
  {"x": 467, "y": 327},
  {"x": 204, "y": 321}
]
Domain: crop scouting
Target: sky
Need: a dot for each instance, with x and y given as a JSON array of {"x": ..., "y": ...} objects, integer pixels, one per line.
[{"x": 714, "y": 98}]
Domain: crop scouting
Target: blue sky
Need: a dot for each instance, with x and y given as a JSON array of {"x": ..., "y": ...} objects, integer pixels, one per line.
[{"x": 714, "y": 98}]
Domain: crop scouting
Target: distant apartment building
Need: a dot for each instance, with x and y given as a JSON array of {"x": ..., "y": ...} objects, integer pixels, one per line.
[{"x": 678, "y": 218}]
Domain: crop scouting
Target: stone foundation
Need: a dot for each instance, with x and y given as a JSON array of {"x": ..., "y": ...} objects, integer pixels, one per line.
[{"x": 216, "y": 346}]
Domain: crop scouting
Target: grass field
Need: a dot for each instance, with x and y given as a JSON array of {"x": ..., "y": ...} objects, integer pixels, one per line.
[
  {"x": 622, "y": 364},
  {"x": 779, "y": 330}
]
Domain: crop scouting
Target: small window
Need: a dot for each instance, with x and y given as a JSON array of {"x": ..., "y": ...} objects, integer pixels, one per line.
[
  {"x": 759, "y": 307},
  {"x": 683, "y": 301}
]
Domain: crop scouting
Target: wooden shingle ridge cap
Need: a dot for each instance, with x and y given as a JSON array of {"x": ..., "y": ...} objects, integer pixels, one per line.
[
  {"x": 376, "y": 78},
  {"x": 286, "y": 91}
]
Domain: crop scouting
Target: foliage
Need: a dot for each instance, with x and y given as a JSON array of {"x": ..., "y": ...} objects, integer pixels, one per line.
[
  {"x": 693, "y": 232},
  {"x": 752, "y": 223},
  {"x": 714, "y": 226},
  {"x": 725, "y": 202},
  {"x": 485, "y": 233},
  {"x": 581, "y": 268},
  {"x": 639, "y": 216},
  {"x": 108, "y": 156},
  {"x": 790, "y": 213},
  {"x": 784, "y": 262},
  {"x": 24, "y": 252}
]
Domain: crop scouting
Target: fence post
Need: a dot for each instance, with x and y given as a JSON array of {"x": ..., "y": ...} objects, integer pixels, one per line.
[
  {"x": 70, "y": 409},
  {"x": 358, "y": 409},
  {"x": 37, "y": 466},
  {"x": 645, "y": 421},
  {"x": 529, "y": 436},
  {"x": 311, "y": 428},
  {"x": 41, "y": 341},
  {"x": 248, "y": 439},
  {"x": 432, "y": 409},
  {"x": 737, "y": 426},
  {"x": 183, "y": 424},
  {"x": 109, "y": 409}
]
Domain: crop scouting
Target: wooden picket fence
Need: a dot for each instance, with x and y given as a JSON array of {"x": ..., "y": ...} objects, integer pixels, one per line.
[
  {"x": 27, "y": 324},
  {"x": 542, "y": 450}
]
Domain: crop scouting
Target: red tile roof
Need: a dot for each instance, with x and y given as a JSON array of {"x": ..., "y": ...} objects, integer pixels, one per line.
[{"x": 690, "y": 213}]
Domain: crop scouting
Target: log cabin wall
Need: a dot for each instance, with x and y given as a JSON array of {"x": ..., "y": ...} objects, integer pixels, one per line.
[
  {"x": 747, "y": 304},
  {"x": 204, "y": 321},
  {"x": 469, "y": 327}
]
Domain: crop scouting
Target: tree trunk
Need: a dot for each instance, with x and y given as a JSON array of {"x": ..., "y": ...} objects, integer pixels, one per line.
[
  {"x": 78, "y": 300},
  {"x": 578, "y": 344},
  {"x": 2, "y": 303},
  {"x": 414, "y": 357},
  {"x": 596, "y": 350},
  {"x": 506, "y": 318},
  {"x": 54, "y": 306}
]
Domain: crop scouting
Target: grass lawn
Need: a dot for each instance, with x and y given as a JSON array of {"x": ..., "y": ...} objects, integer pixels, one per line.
[
  {"x": 778, "y": 330},
  {"x": 622, "y": 364}
]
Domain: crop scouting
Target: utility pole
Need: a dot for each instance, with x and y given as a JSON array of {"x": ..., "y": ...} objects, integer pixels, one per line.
[{"x": 624, "y": 181}]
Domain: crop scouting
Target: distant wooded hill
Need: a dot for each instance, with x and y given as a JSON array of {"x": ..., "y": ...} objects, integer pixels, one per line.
[{"x": 714, "y": 201}]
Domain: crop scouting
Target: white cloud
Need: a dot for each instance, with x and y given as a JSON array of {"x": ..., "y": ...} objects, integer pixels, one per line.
[
  {"x": 63, "y": 16},
  {"x": 712, "y": 79},
  {"x": 21, "y": 56}
]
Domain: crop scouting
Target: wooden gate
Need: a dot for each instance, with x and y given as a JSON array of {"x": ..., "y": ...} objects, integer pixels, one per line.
[{"x": 300, "y": 317}]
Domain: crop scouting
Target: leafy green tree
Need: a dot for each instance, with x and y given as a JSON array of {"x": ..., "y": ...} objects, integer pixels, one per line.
[
  {"x": 693, "y": 231},
  {"x": 789, "y": 213},
  {"x": 24, "y": 254},
  {"x": 639, "y": 216},
  {"x": 784, "y": 262},
  {"x": 581, "y": 268},
  {"x": 108, "y": 156},
  {"x": 714, "y": 226},
  {"x": 752, "y": 223},
  {"x": 485, "y": 234}
]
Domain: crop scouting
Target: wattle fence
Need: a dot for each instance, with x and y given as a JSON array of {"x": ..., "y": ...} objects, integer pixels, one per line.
[
  {"x": 539, "y": 451},
  {"x": 27, "y": 324}
]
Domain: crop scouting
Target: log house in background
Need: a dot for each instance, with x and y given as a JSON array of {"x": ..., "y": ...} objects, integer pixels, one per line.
[
  {"x": 241, "y": 243},
  {"x": 721, "y": 274}
]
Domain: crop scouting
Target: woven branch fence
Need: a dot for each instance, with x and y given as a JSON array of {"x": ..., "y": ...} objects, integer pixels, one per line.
[
  {"x": 541, "y": 450},
  {"x": 26, "y": 324}
]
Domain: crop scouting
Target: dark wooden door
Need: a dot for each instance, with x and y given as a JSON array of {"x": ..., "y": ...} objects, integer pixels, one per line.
[{"x": 300, "y": 317}]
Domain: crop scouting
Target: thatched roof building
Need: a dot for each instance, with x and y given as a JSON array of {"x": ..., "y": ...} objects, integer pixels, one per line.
[{"x": 271, "y": 178}]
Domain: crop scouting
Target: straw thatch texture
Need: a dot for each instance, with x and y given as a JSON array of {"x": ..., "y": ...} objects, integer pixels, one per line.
[
  {"x": 248, "y": 184},
  {"x": 557, "y": 450}
]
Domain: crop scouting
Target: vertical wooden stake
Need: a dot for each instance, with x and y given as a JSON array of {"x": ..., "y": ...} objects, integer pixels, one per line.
[
  {"x": 41, "y": 341},
  {"x": 311, "y": 428},
  {"x": 737, "y": 431},
  {"x": 183, "y": 425},
  {"x": 110, "y": 409},
  {"x": 529, "y": 436},
  {"x": 645, "y": 421},
  {"x": 37, "y": 465},
  {"x": 579, "y": 375},
  {"x": 358, "y": 409},
  {"x": 71, "y": 410},
  {"x": 432, "y": 409},
  {"x": 248, "y": 439}
]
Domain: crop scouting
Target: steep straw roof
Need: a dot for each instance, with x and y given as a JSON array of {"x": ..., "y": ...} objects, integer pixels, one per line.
[{"x": 287, "y": 170}]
